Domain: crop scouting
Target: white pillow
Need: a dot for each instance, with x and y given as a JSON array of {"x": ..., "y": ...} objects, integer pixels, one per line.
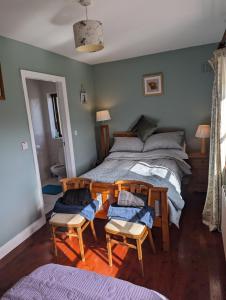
[
  {"x": 166, "y": 140},
  {"x": 127, "y": 144}
]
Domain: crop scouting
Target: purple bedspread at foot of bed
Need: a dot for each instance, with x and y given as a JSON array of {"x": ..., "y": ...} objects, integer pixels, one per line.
[{"x": 60, "y": 282}]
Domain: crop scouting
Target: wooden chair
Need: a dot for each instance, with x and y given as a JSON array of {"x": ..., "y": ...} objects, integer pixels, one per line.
[
  {"x": 158, "y": 200},
  {"x": 129, "y": 230},
  {"x": 74, "y": 223}
]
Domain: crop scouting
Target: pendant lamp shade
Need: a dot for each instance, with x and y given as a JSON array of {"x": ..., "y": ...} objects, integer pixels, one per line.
[{"x": 88, "y": 36}]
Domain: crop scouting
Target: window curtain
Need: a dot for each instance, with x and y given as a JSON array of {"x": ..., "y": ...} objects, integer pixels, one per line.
[{"x": 212, "y": 208}]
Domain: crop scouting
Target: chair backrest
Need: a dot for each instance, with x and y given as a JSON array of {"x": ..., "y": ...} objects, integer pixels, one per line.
[
  {"x": 157, "y": 197},
  {"x": 134, "y": 186},
  {"x": 75, "y": 183}
]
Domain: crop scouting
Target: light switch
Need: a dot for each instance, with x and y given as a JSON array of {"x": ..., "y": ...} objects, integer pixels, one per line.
[
  {"x": 24, "y": 146},
  {"x": 76, "y": 132}
]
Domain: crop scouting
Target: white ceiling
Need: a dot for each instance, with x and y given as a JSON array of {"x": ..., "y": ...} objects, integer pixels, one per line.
[{"x": 131, "y": 27}]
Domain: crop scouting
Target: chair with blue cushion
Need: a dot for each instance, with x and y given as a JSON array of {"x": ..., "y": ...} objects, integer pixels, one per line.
[
  {"x": 130, "y": 230},
  {"x": 75, "y": 224}
]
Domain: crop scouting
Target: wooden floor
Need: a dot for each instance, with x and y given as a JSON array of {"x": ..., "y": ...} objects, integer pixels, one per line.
[{"x": 194, "y": 268}]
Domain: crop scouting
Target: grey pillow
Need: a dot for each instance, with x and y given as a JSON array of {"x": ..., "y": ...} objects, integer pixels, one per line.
[
  {"x": 144, "y": 128},
  {"x": 134, "y": 127},
  {"x": 166, "y": 140},
  {"x": 127, "y": 144}
]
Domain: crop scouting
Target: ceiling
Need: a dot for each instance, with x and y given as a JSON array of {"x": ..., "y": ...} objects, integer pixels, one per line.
[{"x": 131, "y": 27}]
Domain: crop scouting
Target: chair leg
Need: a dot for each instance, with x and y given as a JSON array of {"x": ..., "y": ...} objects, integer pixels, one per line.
[
  {"x": 81, "y": 246},
  {"x": 124, "y": 239},
  {"x": 140, "y": 257},
  {"x": 70, "y": 231},
  {"x": 53, "y": 229},
  {"x": 108, "y": 238},
  {"x": 151, "y": 241},
  {"x": 93, "y": 230}
]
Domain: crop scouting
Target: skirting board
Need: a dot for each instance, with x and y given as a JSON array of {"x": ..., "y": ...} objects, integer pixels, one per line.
[{"x": 22, "y": 236}]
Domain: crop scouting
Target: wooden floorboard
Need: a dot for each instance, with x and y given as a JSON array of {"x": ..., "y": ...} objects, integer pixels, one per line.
[{"x": 194, "y": 268}]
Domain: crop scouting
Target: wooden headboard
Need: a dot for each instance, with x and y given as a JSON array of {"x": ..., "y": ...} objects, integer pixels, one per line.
[
  {"x": 159, "y": 130},
  {"x": 124, "y": 134}
]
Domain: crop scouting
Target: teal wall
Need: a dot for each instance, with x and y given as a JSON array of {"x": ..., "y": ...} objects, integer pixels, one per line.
[
  {"x": 18, "y": 192},
  {"x": 187, "y": 90}
]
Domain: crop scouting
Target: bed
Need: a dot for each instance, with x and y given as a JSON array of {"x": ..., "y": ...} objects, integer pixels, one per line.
[
  {"x": 163, "y": 168},
  {"x": 55, "y": 282}
]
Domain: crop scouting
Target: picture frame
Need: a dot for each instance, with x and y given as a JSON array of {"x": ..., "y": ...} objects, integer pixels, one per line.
[
  {"x": 83, "y": 97},
  {"x": 2, "y": 91},
  {"x": 153, "y": 84}
]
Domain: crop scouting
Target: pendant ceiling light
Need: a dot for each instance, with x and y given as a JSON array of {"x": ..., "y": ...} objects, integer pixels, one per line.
[{"x": 88, "y": 34}]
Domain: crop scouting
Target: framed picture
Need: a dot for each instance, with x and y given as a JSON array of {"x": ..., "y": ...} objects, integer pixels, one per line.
[
  {"x": 2, "y": 92},
  {"x": 83, "y": 97},
  {"x": 153, "y": 84}
]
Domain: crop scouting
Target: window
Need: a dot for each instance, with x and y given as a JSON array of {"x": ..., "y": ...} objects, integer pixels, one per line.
[{"x": 54, "y": 116}]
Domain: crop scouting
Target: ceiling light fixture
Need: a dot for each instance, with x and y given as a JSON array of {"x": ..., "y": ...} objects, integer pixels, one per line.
[{"x": 88, "y": 34}]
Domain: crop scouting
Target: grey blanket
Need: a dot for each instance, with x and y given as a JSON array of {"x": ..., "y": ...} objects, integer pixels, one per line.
[
  {"x": 163, "y": 168},
  {"x": 56, "y": 282}
]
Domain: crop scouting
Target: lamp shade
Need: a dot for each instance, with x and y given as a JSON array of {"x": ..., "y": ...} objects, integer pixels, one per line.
[
  {"x": 203, "y": 131},
  {"x": 88, "y": 36},
  {"x": 103, "y": 115}
]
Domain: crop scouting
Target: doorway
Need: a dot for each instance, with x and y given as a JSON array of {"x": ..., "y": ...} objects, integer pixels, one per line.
[{"x": 50, "y": 131}]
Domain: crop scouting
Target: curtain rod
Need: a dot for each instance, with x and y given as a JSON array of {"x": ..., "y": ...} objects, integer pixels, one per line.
[{"x": 222, "y": 43}]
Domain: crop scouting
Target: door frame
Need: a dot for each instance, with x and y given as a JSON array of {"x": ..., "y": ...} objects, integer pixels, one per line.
[{"x": 65, "y": 117}]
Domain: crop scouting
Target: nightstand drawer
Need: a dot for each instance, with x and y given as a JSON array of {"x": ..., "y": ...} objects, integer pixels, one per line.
[
  {"x": 200, "y": 176},
  {"x": 199, "y": 187},
  {"x": 199, "y": 164}
]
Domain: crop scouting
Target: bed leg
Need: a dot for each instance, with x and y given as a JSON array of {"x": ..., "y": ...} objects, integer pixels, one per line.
[{"x": 165, "y": 222}]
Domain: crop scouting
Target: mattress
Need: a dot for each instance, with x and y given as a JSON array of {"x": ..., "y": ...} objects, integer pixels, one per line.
[{"x": 57, "y": 282}]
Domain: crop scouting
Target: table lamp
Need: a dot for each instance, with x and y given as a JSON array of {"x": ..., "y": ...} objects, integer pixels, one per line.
[
  {"x": 102, "y": 116},
  {"x": 203, "y": 132}
]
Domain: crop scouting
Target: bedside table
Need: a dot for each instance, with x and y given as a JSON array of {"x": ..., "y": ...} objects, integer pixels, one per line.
[{"x": 200, "y": 165}]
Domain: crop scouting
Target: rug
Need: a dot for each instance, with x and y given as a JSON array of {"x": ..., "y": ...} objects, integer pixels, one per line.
[{"x": 51, "y": 189}]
